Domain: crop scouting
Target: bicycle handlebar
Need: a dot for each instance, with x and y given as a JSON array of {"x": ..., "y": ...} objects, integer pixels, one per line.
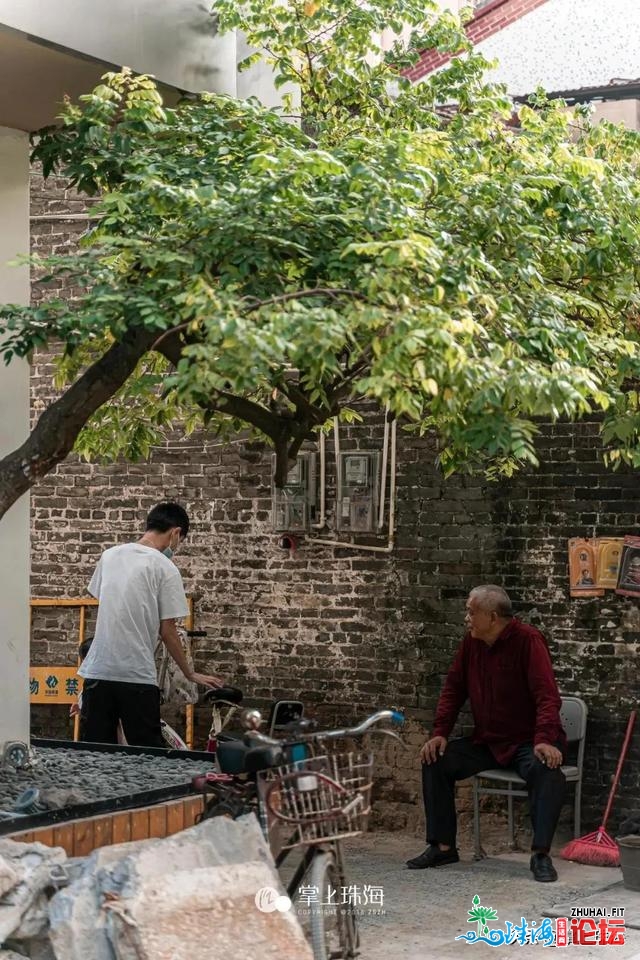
[{"x": 394, "y": 715}]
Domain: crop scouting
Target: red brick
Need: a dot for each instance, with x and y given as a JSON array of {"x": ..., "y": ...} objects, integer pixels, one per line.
[{"x": 488, "y": 21}]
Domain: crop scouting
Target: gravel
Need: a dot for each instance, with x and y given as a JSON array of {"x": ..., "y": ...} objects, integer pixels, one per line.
[{"x": 70, "y": 777}]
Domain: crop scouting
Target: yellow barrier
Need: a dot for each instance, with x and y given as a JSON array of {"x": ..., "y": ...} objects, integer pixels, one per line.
[{"x": 52, "y": 684}]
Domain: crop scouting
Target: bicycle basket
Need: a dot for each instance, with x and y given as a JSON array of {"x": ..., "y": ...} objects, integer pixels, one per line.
[{"x": 320, "y": 798}]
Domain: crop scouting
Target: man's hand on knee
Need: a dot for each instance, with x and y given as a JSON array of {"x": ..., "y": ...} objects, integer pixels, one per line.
[
  {"x": 433, "y": 749},
  {"x": 548, "y": 755}
]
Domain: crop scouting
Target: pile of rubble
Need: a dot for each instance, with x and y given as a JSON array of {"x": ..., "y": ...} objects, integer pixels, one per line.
[{"x": 193, "y": 894}]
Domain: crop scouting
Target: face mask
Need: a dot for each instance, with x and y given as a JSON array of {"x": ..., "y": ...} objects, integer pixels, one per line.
[{"x": 169, "y": 552}]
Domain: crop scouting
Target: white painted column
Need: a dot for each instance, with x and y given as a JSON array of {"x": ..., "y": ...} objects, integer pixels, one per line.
[{"x": 14, "y": 429}]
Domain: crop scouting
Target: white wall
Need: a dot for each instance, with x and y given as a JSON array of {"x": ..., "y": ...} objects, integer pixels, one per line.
[
  {"x": 175, "y": 40},
  {"x": 618, "y": 111},
  {"x": 14, "y": 428},
  {"x": 258, "y": 80},
  {"x": 567, "y": 44}
]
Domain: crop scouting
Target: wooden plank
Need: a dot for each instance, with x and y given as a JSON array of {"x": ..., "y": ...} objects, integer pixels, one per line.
[
  {"x": 82, "y": 837},
  {"x": 63, "y": 837},
  {"x": 102, "y": 831},
  {"x": 189, "y": 814},
  {"x": 121, "y": 827},
  {"x": 140, "y": 824},
  {"x": 192, "y": 808},
  {"x": 158, "y": 821},
  {"x": 175, "y": 817},
  {"x": 44, "y": 835},
  {"x": 26, "y": 837}
]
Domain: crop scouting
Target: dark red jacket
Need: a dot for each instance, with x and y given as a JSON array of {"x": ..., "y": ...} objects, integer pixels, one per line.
[{"x": 511, "y": 688}]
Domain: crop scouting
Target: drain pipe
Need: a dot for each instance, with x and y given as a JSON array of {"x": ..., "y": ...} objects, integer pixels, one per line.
[
  {"x": 385, "y": 456},
  {"x": 392, "y": 511},
  {"x": 323, "y": 484}
]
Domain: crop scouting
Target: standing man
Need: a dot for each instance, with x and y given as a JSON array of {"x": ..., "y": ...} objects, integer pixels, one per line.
[
  {"x": 141, "y": 595},
  {"x": 503, "y": 667}
]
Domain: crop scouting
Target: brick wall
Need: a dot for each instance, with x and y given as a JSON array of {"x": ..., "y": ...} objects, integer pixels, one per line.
[
  {"x": 489, "y": 19},
  {"x": 349, "y": 632}
]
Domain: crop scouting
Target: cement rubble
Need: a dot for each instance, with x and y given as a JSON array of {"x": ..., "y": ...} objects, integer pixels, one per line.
[
  {"x": 160, "y": 899},
  {"x": 24, "y": 905}
]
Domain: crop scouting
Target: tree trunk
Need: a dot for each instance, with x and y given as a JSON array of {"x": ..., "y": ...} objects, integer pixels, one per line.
[{"x": 55, "y": 433}]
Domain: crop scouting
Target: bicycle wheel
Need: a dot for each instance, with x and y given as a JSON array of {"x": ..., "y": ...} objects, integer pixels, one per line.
[{"x": 330, "y": 923}]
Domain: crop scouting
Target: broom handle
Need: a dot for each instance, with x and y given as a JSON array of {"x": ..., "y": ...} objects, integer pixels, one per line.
[{"x": 616, "y": 779}]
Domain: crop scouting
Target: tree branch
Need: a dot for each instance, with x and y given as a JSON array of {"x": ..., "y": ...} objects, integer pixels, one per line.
[
  {"x": 333, "y": 292},
  {"x": 223, "y": 402}
]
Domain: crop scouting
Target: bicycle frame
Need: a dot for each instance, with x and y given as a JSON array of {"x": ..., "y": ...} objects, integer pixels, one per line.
[{"x": 319, "y": 860}]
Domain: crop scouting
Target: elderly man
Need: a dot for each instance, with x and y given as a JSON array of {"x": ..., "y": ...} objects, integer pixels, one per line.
[{"x": 504, "y": 669}]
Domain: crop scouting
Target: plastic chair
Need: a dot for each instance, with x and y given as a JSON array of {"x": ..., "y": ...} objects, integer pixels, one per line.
[{"x": 573, "y": 714}]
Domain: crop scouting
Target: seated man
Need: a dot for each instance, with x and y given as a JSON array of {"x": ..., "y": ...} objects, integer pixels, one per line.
[{"x": 503, "y": 667}]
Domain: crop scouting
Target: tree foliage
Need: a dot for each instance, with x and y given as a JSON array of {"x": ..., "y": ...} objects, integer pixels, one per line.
[{"x": 473, "y": 271}]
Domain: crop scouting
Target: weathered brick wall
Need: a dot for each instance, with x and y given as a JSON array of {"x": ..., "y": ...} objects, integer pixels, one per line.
[{"x": 348, "y": 632}]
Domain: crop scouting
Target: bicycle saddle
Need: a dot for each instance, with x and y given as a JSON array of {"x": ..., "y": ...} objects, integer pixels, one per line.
[
  {"x": 228, "y": 694},
  {"x": 235, "y": 756}
]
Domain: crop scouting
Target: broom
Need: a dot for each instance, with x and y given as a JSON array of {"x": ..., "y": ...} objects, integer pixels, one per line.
[{"x": 599, "y": 849}]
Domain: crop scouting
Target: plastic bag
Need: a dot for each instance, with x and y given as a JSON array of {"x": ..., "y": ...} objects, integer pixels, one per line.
[{"x": 174, "y": 686}]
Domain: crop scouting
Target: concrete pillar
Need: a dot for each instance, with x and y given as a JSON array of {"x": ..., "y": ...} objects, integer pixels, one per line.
[{"x": 14, "y": 429}]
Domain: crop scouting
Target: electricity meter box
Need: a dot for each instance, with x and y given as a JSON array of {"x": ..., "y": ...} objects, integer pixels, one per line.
[
  {"x": 294, "y": 506},
  {"x": 357, "y": 494}
]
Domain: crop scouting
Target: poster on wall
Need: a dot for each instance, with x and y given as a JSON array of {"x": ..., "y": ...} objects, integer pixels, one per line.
[
  {"x": 629, "y": 575},
  {"x": 583, "y": 568},
  {"x": 608, "y": 556}
]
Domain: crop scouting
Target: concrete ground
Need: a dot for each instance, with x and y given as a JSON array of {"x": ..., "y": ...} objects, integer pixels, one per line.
[{"x": 426, "y": 909}]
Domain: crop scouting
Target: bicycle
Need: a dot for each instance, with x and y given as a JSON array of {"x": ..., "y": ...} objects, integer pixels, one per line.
[
  {"x": 305, "y": 801},
  {"x": 226, "y": 703}
]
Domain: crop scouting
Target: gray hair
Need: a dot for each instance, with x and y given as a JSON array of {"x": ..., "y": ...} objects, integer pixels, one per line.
[{"x": 493, "y": 599}]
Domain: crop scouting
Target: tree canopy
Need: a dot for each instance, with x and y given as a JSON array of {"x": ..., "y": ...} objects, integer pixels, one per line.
[{"x": 473, "y": 268}]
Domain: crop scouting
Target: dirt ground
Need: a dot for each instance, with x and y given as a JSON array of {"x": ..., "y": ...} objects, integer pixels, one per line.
[{"x": 424, "y": 910}]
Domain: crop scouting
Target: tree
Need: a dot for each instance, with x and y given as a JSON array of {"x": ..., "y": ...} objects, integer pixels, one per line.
[{"x": 269, "y": 268}]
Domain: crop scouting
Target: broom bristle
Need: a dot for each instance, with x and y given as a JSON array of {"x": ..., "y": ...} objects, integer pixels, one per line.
[{"x": 595, "y": 850}]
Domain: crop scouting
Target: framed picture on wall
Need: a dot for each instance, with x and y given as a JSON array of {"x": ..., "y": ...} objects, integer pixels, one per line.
[
  {"x": 583, "y": 568},
  {"x": 629, "y": 575},
  {"x": 608, "y": 556}
]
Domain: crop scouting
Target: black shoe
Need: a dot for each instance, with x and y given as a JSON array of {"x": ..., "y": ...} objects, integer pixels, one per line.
[
  {"x": 433, "y": 857},
  {"x": 542, "y": 868}
]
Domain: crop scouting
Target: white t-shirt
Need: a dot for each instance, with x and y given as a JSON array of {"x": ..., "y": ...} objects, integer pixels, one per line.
[{"x": 137, "y": 587}]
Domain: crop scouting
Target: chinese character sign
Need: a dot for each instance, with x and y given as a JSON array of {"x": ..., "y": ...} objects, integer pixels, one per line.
[
  {"x": 598, "y": 928},
  {"x": 54, "y": 684}
]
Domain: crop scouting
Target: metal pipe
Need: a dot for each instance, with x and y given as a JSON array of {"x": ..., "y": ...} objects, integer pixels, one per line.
[
  {"x": 83, "y": 217},
  {"x": 323, "y": 472},
  {"x": 392, "y": 489},
  {"x": 383, "y": 479},
  {"x": 392, "y": 513}
]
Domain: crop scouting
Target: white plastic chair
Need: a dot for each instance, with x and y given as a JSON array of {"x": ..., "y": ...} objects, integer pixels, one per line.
[{"x": 573, "y": 714}]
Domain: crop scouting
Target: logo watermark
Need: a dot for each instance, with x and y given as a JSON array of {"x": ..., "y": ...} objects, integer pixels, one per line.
[
  {"x": 588, "y": 926},
  {"x": 363, "y": 900},
  {"x": 268, "y": 900}
]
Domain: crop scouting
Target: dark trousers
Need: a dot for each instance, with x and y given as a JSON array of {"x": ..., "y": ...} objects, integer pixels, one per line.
[
  {"x": 135, "y": 705},
  {"x": 463, "y": 758}
]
